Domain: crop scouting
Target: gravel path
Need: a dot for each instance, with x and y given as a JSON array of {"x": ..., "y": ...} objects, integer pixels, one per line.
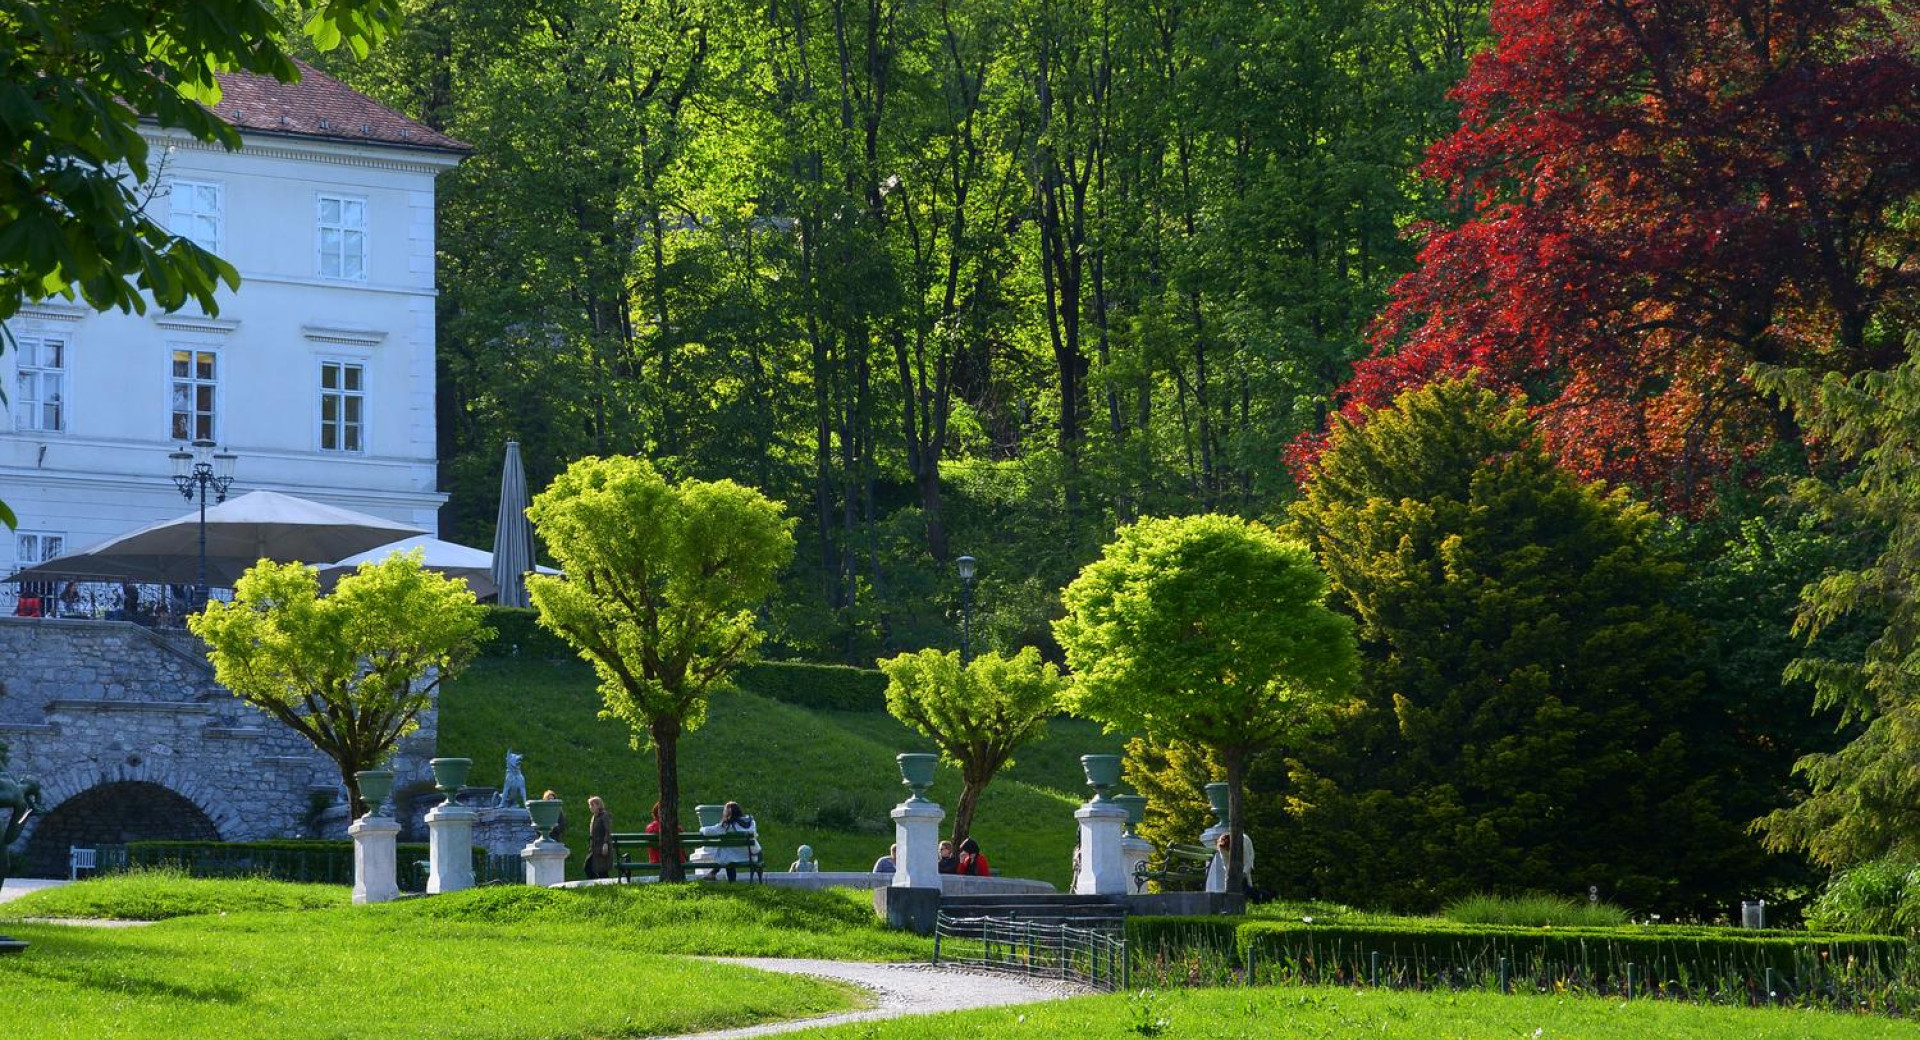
[
  {"x": 16, "y": 887},
  {"x": 898, "y": 989}
]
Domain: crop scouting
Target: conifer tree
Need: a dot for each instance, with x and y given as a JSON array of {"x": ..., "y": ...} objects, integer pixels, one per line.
[{"x": 1525, "y": 695}]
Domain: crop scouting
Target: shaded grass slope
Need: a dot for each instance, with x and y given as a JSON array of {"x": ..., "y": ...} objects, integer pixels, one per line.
[{"x": 823, "y": 778}]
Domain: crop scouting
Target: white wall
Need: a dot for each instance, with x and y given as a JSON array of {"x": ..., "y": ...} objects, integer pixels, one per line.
[{"x": 108, "y": 471}]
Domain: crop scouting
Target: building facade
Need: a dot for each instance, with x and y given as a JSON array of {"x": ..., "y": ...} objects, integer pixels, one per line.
[{"x": 318, "y": 372}]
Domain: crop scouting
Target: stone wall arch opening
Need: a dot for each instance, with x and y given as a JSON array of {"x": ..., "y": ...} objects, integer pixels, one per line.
[{"x": 113, "y": 814}]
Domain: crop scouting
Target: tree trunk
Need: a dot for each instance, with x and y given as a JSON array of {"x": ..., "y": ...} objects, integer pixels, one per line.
[
  {"x": 666, "y": 740},
  {"x": 356, "y": 806},
  {"x": 1235, "y": 760},
  {"x": 970, "y": 791}
]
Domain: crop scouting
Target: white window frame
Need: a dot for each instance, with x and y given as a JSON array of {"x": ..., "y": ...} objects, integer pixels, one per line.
[
  {"x": 346, "y": 230},
  {"x": 342, "y": 393},
  {"x": 28, "y": 414},
  {"x": 39, "y": 539},
  {"x": 180, "y": 190},
  {"x": 214, "y": 417}
]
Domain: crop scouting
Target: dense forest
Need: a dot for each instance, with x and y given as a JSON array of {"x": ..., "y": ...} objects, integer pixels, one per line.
[{"x": 945, "y": 276}]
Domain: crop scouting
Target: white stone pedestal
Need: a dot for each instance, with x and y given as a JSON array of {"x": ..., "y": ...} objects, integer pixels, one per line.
[
  {"x": 546, "y": 862},
  {"x": 1103, "y": 870},
  {"x": 375, "y": 879},
  {"x": 1135, "y": 851},
  {"x": 916, "y": 829},
  {"x": 450, "y": 832}
]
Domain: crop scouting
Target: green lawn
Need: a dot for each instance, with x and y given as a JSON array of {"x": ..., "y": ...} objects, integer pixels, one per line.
[
  {"x": 1342, "y": 1014},
  {"x": 159, "y": 894},
  {"x": 823, "y": 778}
]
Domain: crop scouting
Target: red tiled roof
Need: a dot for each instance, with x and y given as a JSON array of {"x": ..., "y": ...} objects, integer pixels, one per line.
[{"x": 321, "y": 106}]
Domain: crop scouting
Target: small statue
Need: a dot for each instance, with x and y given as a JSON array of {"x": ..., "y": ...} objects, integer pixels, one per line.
[
  {"x": 514, "y": 791},
  {"x": 806, "y": 864}
]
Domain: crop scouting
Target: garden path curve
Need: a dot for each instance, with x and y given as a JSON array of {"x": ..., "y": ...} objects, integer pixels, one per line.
[{"x": 898, "y": 989}]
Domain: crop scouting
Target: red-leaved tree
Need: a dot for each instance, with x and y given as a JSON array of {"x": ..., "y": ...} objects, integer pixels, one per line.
[{"x": 1656, "y": 193}]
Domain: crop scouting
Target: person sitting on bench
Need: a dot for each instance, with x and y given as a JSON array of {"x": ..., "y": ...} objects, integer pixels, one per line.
[{"x": 733, "y": 820}]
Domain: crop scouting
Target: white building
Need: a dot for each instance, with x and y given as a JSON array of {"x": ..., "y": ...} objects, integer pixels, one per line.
[{"x": 318, "y": 373}]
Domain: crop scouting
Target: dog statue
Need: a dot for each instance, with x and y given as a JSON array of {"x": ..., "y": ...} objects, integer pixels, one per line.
[{"x": 514, "y": 791}]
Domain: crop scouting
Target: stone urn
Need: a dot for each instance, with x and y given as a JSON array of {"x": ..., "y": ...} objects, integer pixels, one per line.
[
  {"x": 546, "y": 815},
  {"x": 1103, "y": 772},
  {"x": 1136, "y": 807},
  {"x": 450, "y": 775},
  {"x": 709, "y": 815},
  {"x": 375, "y": 787},
  {"x": 916, "y": 772},
  {"x": 1217, "y": 797}
]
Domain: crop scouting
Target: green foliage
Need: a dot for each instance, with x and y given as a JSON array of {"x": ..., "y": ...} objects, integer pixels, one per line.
[
  {"x": 1210, "y": 630},
  {"x": 1534, "y": 910},
  {"x": 1173, "y": 777},
  {"x": 661, "y": 582},
  {"x": 1881, "y": 896},
  {"x": 159, "y": 893},
  {"x": 1860, "y": 805},
  {"x": 823, "y": 687},
  {"x": 76, "y": 81},
  {"x": 977, "y": 714},
  {"x": 1526, "y": 711},
  {"x": 352, "y": 671}
]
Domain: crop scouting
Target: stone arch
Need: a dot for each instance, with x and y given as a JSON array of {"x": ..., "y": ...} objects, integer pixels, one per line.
[{"x": 114, "y": 813}]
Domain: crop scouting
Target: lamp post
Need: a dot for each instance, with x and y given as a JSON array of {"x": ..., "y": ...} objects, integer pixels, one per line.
[
  {"x": 966, "y": 565},
  {"x": 203, "y": 471}
]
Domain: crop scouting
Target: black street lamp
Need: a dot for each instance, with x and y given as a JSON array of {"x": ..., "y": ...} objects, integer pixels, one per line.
[
  {"x": 966, "y": 565},
  {"x": 203, "y": 471}
]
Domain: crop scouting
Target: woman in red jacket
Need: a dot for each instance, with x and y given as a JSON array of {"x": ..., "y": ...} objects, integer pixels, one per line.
[{"x": 971, "y": 861}]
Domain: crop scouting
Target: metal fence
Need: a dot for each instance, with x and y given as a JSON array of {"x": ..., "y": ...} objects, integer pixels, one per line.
[
  {"x": 1089, "y": 951},
  {"x": 143, "y": 603}
]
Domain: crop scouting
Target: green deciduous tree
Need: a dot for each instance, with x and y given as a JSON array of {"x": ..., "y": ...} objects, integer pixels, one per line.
[
  {"x": 1527, "y": 697},
  {"x": 1863, "y": 798},
  {"x": 661, "y": 585},
  {"x": 977, "y": 714},
  {"x": 1207, "y": 629},
  {"x": 350, "y": 671}
]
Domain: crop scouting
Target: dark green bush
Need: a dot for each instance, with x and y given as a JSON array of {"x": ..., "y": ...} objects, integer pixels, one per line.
[
  {"x": 314, "y": 862},
  {"x": 517, "y": 633},
  {"x": 1423, "y": 953},
  {"x": 828, "y": 687}
]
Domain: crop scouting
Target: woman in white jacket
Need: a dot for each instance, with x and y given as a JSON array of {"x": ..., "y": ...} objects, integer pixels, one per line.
[{"x": 733, "y": 820}]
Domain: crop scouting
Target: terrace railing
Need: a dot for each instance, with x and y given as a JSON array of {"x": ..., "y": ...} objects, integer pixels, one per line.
[{"x": 1088, "y": 951}]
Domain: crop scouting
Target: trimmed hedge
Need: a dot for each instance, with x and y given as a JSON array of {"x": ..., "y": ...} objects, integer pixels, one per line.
[
  {"x": 1422, "y": 954},
  {"x": 824, "y": 687},
  {"x": 517, "y": 633},
  {"x": 312, "y": 862}
]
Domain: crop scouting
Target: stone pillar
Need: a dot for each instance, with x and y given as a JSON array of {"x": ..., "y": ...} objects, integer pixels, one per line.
[
  {"x": 916, "y": 829},
  {"x": 503, "y": 831},
  {"x": 1103, "y": 870},
  {"x": 450, "y": 832},
  {"x": 1135, "y": 851},
  {"x": 546, "y": 862},
  {"x": 375, "y": 879}
]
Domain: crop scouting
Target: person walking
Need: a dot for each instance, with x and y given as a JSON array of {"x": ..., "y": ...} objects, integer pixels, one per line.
[
  {"x": 971, "y": 862},
  {"x": 733, "y": 820},
  {"x": 599, "y": 840}
]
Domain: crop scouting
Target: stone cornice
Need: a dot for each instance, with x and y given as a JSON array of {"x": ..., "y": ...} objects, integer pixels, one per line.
[{"x": 373, "y": 156}]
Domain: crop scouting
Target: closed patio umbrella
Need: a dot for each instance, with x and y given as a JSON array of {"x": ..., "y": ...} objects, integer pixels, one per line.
[
  {"x": 512, "y": 533},
  {"x": 240, "y": 531}
]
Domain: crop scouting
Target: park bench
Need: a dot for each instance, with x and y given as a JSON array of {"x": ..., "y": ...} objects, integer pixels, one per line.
[
  {"x": 1179, "y": 865},
  {"x": 630, "y": 853},
  {"x": 79, "y": 859}
]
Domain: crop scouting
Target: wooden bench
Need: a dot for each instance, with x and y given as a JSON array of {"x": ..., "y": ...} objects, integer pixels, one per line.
[
  {"x": 1179, "y": 865},
  {"x": 630, "y": 853}
]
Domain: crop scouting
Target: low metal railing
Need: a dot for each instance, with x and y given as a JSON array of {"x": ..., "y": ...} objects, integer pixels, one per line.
[
  {"x": 1091, "y": 951},
  {"x": 143, "y": 603}
]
